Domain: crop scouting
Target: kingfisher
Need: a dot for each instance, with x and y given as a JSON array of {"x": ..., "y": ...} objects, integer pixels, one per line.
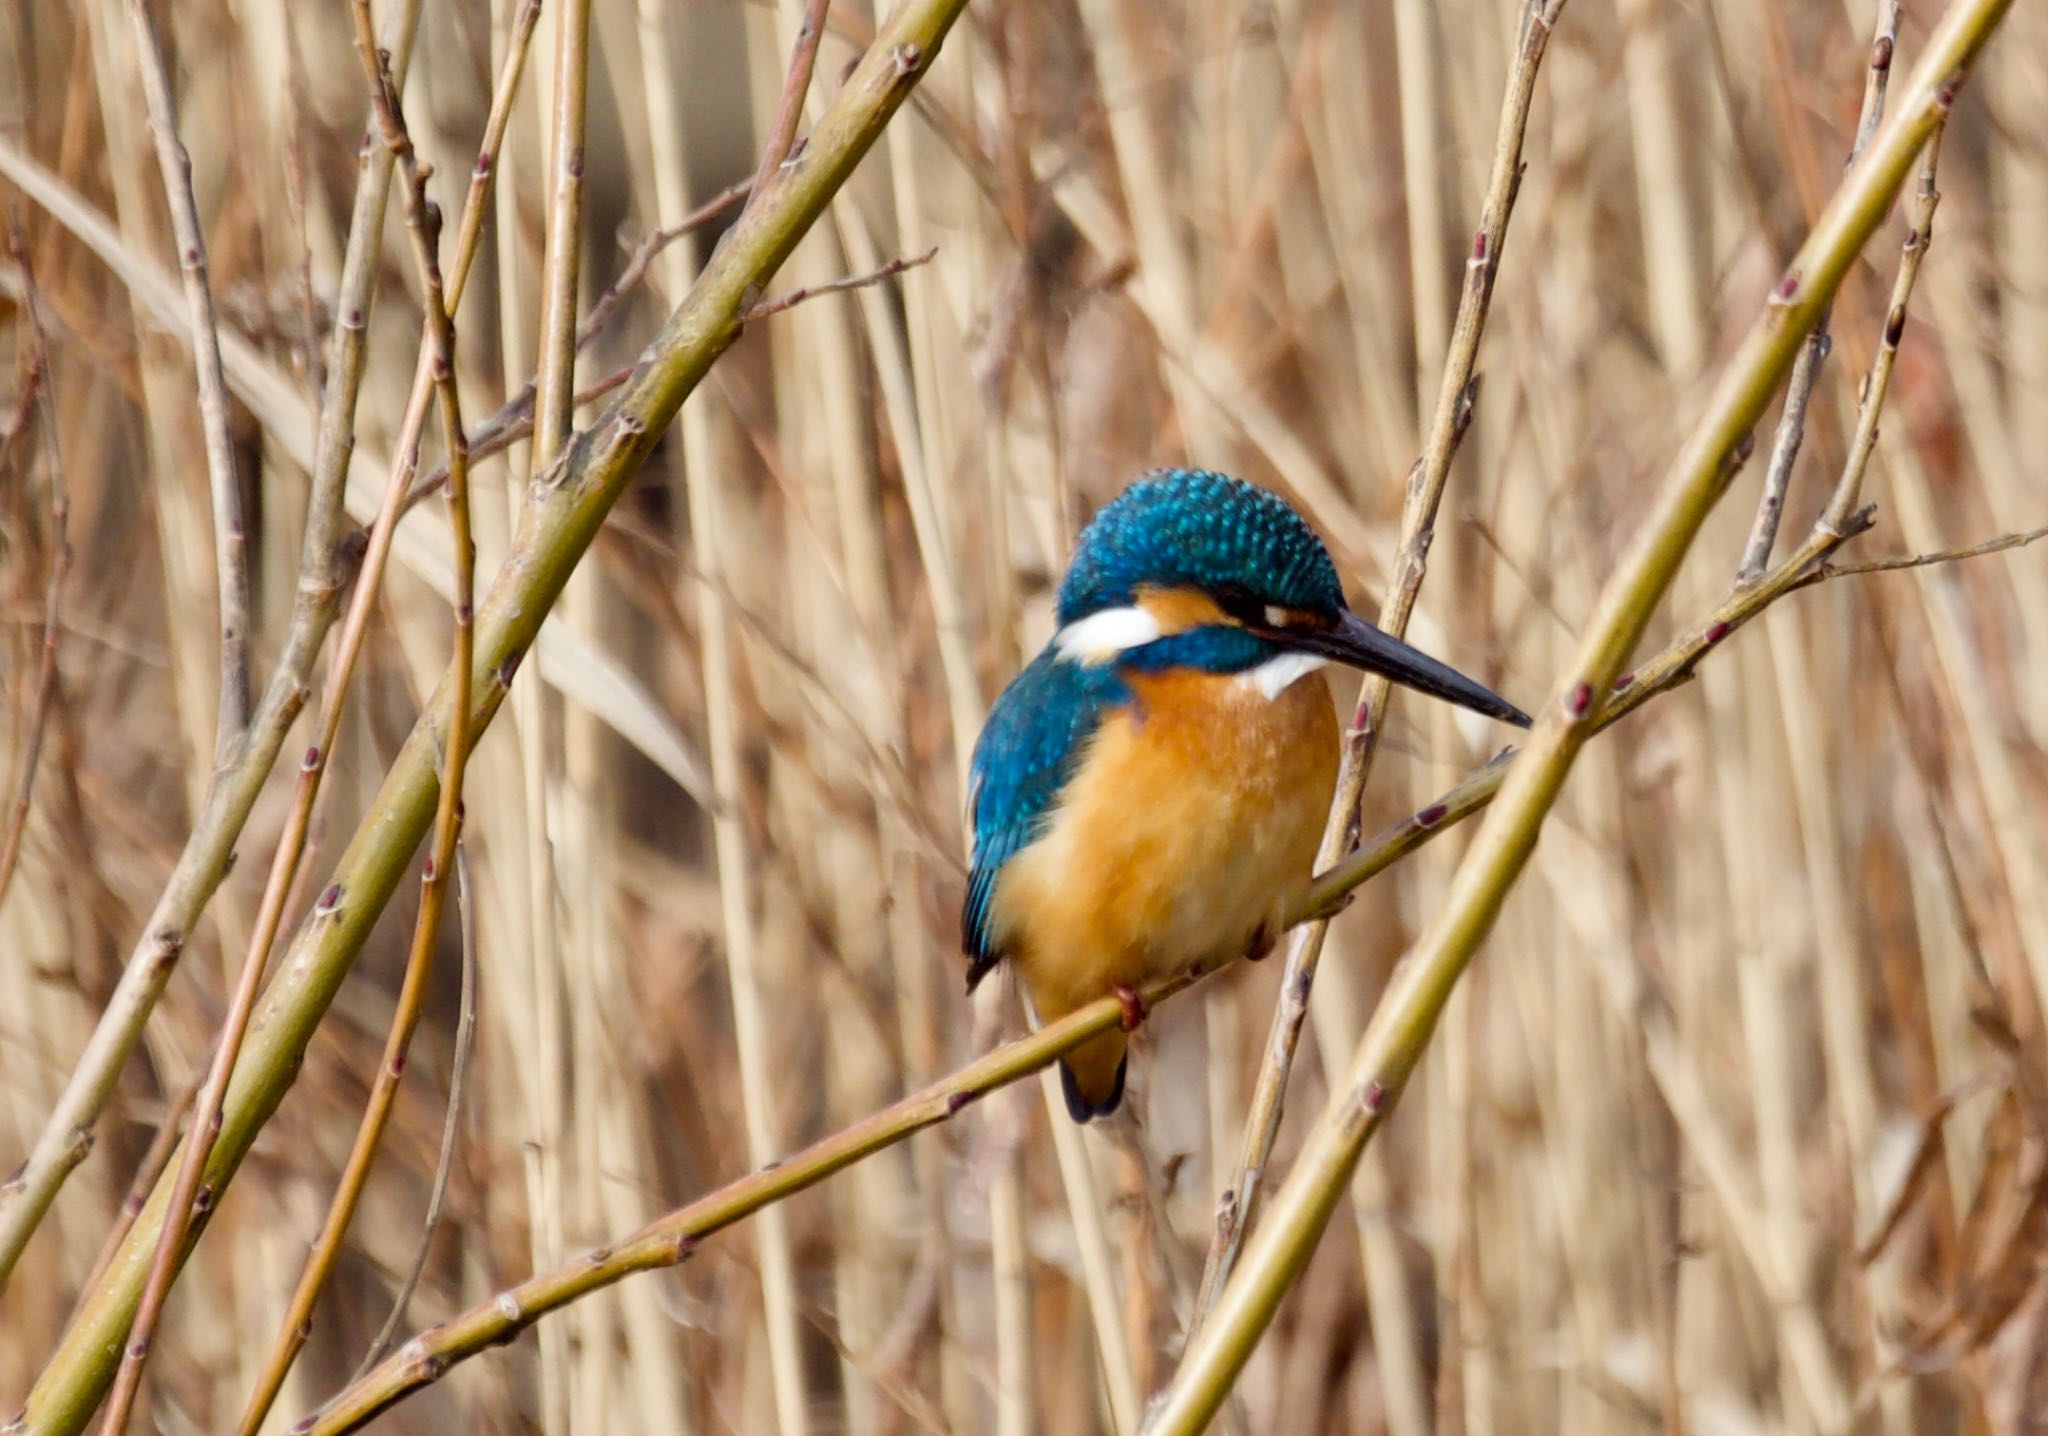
[{"x": 1150, "y": 791}]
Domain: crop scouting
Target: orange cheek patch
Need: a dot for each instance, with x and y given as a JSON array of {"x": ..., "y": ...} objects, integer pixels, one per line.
[{"x": 1177, "y": 610}]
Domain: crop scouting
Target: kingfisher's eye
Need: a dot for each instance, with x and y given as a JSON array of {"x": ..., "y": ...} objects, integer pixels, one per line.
[
  {"x": 1243, "y": 606},
  {"x": 1277, "y": 617}
]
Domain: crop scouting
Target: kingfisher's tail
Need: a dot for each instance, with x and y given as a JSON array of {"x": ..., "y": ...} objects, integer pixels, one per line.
[{"x": 1092, "y": 1076}]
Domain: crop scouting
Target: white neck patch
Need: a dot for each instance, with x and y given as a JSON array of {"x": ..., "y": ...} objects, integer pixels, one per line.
[
  {"x": 1101, "y": 636},
  {"x": 1276, "y": 675}
]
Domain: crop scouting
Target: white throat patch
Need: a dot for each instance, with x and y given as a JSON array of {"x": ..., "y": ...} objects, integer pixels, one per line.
[
  {"x": 1101, "y": 636},
  {"x": 1276, "y": 675}
]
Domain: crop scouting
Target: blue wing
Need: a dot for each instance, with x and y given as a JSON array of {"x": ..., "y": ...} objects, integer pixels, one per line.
[{"x": 1029, "y": 748}]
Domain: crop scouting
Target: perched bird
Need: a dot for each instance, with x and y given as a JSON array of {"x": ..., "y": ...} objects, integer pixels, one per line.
[{"x": 1151, "y": 790}]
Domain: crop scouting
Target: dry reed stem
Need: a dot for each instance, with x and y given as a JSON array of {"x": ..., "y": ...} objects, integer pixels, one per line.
[
  {"x": 324, "y": 568},
  {"x": 423, "y": 223},
  {"x": 1401, "y": 1027},
  {"x": 230, "y": 541},
  {"x": 564, "y": 512},
  {"x": 37, "y": 409},
  {"x": 1456, "y": 393},
  {"x": 536, "y": 1006},
  {"x": 561, "y": 261}
]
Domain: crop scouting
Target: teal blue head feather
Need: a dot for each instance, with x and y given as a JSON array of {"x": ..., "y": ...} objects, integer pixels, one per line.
[{"x": 1191, "y": 528}]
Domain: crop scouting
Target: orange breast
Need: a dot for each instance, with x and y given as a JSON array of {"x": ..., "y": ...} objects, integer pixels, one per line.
[{"x": 1192, "y": 820}]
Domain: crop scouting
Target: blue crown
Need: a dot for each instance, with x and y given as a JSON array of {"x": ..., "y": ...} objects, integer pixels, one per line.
[{"x": 1177, "y": 528}]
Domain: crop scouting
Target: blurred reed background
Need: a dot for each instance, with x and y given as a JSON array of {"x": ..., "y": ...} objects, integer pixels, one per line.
[{"x": 1740, "y": 1123}]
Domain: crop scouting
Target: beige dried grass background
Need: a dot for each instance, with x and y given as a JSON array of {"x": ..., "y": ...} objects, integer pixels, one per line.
[{"x": 1214, "y": 233}]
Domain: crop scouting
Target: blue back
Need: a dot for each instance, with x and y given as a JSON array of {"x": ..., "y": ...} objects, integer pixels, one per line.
[{"x": 1027, "y": 752}]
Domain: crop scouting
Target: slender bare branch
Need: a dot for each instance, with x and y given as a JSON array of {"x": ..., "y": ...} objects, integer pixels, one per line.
[
  {"x": 789, "y": 108},
  {"x": 451, "y": 1123},
  {"x": 33, "y": 395},
  {"x": 230, "y": 538},
  {"x": 839, "y": 286},
  {"x": 1770, "y": 511}
]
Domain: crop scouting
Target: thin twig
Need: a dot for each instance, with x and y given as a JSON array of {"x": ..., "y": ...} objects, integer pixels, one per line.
[
  {"x": 1901, "y": 562},
  {"x": 1877, "y": 386},
  {"x": 154, "y": 1160},
  {"x": 1455, "y": 397},
  {"x": 424, "y": 224},
  {"x": 795, "y": 297},
  {"x": 1770, "y": 510},
  {"x": 451, "y": 1124},
  {"x": 789, "y": 108},
  {"x": 230, "y": 539},
  {"x": 34, "y": 394}
]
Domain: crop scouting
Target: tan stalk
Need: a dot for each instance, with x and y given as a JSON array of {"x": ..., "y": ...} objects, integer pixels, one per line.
[
  {"x": 32, "y": 395},
  {"x": 1670, "y": 250},
  {"x": 535, "y": 1013}
]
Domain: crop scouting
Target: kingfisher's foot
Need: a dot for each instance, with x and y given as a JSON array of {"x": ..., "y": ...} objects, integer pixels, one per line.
[
  {"x": 1135, "y": 1010},
  {"x": 1262, "y": 945}
]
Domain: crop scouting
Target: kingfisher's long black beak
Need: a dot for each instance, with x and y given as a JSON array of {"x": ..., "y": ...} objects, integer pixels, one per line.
[{"x": 1358, "y": 644}]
